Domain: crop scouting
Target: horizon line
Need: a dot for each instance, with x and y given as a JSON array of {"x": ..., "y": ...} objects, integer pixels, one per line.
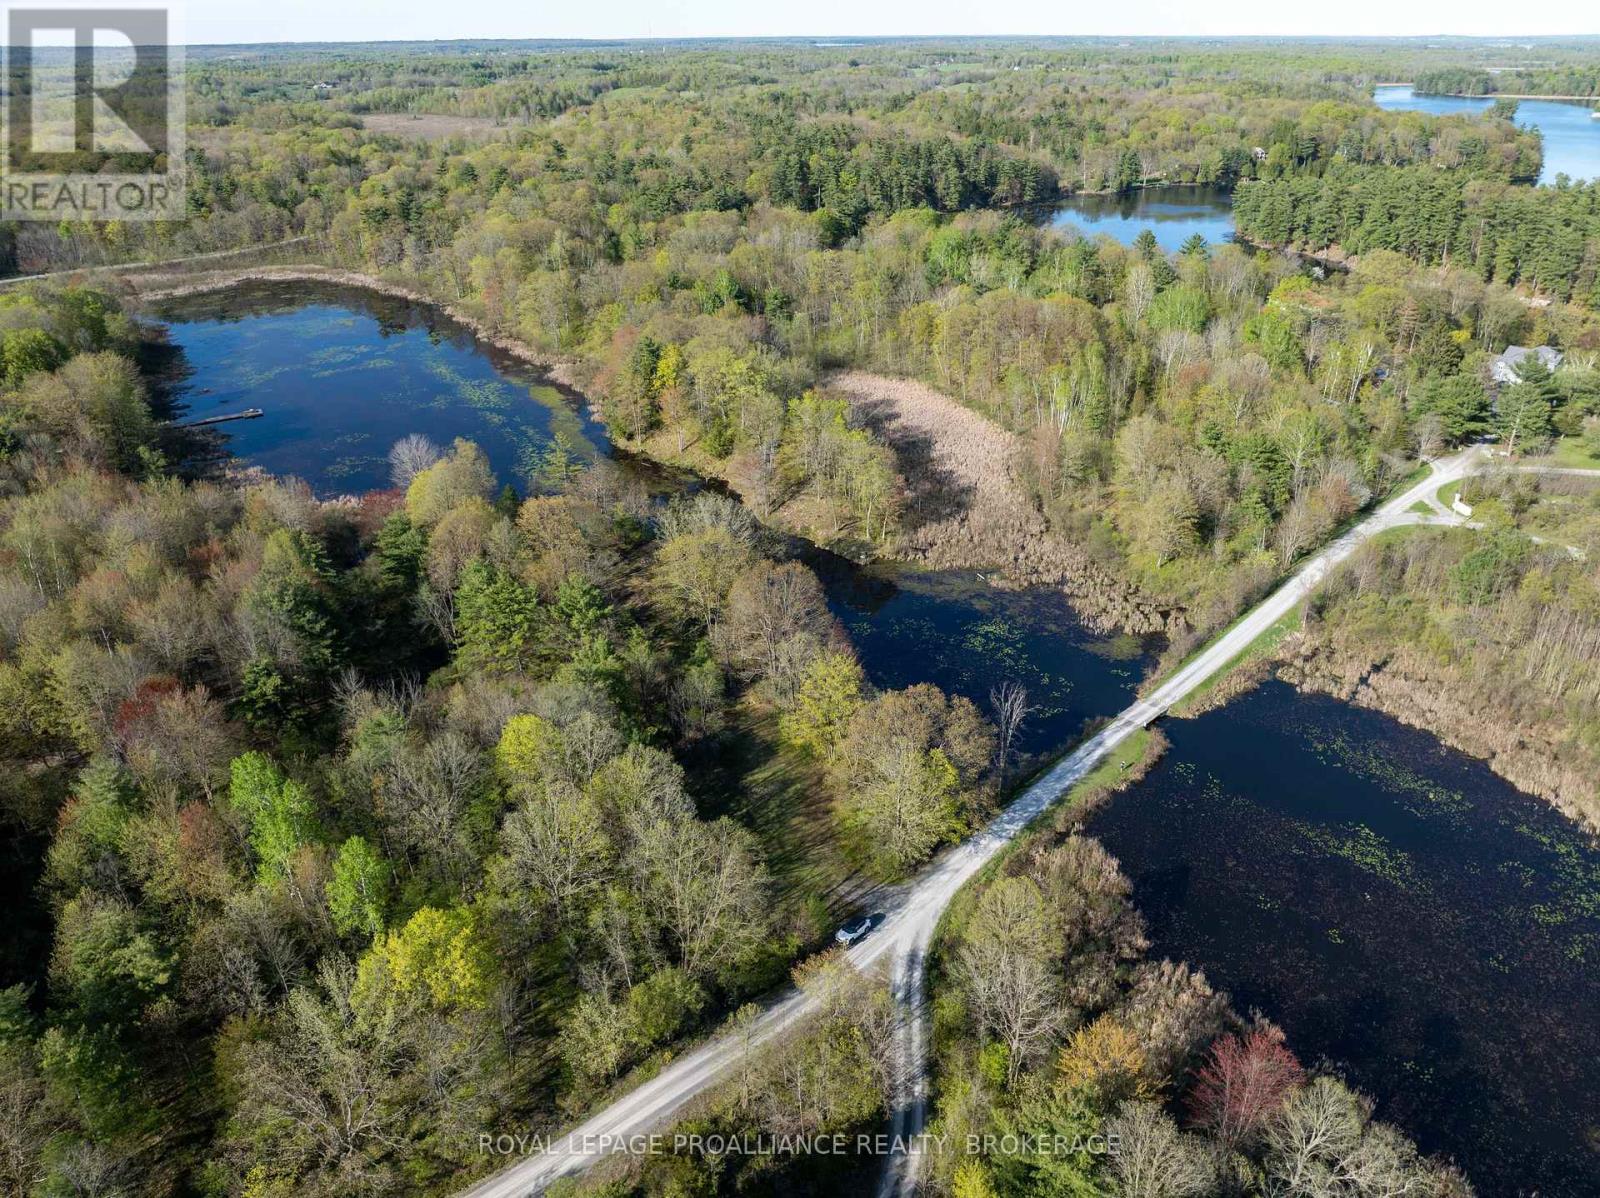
[{"x": 844, "y": 41}]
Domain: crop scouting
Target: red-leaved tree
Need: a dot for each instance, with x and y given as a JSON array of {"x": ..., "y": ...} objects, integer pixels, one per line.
[{"x": 1244, "y": 1083}]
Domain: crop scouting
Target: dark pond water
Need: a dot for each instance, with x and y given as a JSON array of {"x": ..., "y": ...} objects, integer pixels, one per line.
[
  {"x": 1400, "y": 910},
  {"x": 342, "y": 374},
  {"x": 955, "y": 631},
  {"x": 1571, "y": 135},
  {"x": 1173, "y": 214}
]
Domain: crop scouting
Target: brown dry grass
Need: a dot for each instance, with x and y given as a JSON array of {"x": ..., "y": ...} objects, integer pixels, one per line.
[
  {"x": 958, "y": 469},
  {"x": 968, "y": 509}
]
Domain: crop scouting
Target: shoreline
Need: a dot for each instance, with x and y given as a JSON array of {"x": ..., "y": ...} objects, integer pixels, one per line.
[
  {"x": 1506, "y": 761},
  {"x": 1533, "y": 755},
  {"x": 1101, "y": 601},
  {"x": 1065, "y": 195},
  {"x": 1514, "y": 96},
  {"x": 982, "y": 517},
  {"x": 561, "y": 371},
  {"x": 1595, "y": 100}
]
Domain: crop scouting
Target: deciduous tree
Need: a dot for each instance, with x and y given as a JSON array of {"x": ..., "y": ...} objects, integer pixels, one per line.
[
  {"x": 1006, "y": 971},
  {"x": 358, "y": 891},
  {"x": 1243, "y": 1084},
  {"x": 1153, "y": 1159}
]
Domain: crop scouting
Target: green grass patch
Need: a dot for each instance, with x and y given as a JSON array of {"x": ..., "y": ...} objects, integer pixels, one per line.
[
  {"x": 1264, "y": 645},
  {"x": 1390, "y": 535},
  {"x": 1421, "y": 508},
  {"x": 1111, "y": 771},
  {"x": 1447, "y": 493},
  {"x": 1569, "y": 451}
]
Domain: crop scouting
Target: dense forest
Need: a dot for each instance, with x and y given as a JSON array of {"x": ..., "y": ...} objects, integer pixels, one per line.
[
  {"x": 338, "y": 831},
  {"x": 1526, "y": 81},
  {"x": 1056, "y": 1031},
  {"x": 1547, "y": 239},
  {"x": 279, "y": 137},
  {"x": 366, "y": 822}
]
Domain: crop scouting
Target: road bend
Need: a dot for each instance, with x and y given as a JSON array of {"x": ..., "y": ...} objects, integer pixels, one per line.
[{"x": 902, "y": 941}]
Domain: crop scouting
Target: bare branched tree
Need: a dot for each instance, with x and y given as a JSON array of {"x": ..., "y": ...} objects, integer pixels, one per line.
[
  {"x": 1003, "y": 967},
  {"x": 1153, "y": 1159},
  {"x": 409, "y": 457},
  {"x": 1009, "y": 702}
]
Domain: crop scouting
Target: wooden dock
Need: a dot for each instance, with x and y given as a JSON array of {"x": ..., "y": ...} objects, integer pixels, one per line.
[{"x": 245, "y": 414}]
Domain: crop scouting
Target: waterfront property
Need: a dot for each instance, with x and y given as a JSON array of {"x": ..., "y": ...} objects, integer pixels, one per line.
[{"x": 1571, "y": 139}]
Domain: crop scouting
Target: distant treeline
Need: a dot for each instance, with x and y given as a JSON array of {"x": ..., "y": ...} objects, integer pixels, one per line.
[
  {"x": 831, "y": 166},
  {"x": 1454, "y": 81},
  {"x": 1547, "y": 238},
  {"x": 1466, "y": 81}
]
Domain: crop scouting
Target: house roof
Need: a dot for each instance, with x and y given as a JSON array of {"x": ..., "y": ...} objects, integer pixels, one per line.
[{"x": 1547, "y": 354}]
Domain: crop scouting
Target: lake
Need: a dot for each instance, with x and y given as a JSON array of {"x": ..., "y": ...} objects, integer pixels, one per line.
[
  {"x": 1405, "y": 914},
  {"x": 1173, "y": 214},
  {"x": 1571, "y": 135},
  {"x": 343, "y": 373}
]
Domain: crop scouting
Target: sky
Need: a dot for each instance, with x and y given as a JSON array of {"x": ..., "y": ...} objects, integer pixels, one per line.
[{"x": 214, "y": 21}]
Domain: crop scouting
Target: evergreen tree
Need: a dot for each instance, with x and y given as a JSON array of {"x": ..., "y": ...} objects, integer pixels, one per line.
[
  {"x": 1525, "y": 410},
  {"x": 498, "y": 622},
  {"x": 1460, "y": 402}
]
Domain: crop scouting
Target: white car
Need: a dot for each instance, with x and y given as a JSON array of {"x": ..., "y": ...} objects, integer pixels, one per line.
[{"x": 856, "y": 928}]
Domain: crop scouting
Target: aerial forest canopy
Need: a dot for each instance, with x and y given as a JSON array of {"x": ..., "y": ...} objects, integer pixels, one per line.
[
  {"x": 280, "y": 137},
  {"x": 343, "y": 827}
]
